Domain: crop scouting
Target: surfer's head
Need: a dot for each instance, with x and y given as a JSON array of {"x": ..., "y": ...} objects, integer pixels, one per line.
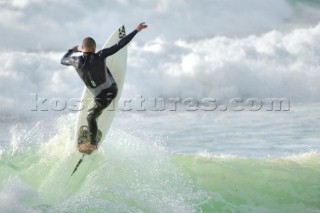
[{"x": 88, "y": 45}]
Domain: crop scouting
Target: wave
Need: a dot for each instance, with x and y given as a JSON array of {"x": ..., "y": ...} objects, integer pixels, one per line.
[
  {"x": 272, "y": 65},
  {"x": 138, "y": 174},
  {"x": 226, "y": 56},
  {"x": 24, "y": 22},
  {"x": 241, "y": 184},
  {"x": 127, "y": 174}
]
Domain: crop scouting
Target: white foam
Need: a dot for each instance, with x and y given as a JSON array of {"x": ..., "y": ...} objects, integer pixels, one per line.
[
  {"x": 14, "y": 195},
  {"x": 274, "y": 64},
  {"x": 312, "y": 155},
  {"x": 25, "y": 21},
  {"x": 207, "y": 57}
]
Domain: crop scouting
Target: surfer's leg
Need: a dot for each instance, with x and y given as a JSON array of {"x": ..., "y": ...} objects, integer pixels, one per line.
[
  {"x": 93, "y": 114},
  {"x": 108, "y": 95},
  {"x": 102, "y": 101}
]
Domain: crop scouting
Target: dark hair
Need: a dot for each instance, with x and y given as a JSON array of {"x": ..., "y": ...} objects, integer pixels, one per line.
[{"x": 88, "y": 42}]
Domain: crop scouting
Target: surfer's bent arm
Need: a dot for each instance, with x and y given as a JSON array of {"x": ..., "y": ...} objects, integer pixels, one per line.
[
  {"x": 67, "y": 59},
  {"x": 115, "y": 48}
]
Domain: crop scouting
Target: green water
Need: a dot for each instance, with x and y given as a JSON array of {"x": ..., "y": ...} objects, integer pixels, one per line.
[
  {"x": 139, "y": 175},
  {"x": 256, "y": 185}
]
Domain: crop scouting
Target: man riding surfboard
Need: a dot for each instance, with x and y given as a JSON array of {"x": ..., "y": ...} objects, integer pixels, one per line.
[{"x": 95, "y": 74}]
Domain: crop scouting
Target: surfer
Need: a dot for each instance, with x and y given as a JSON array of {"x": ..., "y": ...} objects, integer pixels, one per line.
[{"x": 97, "y": 77}]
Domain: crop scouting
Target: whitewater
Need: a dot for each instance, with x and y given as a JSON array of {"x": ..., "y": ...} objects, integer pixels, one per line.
[{"x": 165, "y": 157}]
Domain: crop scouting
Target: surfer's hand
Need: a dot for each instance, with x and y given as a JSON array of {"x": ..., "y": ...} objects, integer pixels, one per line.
[
  {"x": 75, "y": 49},
  {"x": 141, "y": 26}
]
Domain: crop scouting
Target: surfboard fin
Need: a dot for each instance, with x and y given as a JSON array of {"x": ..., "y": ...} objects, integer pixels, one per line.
[{"x": 78, "y": 164}]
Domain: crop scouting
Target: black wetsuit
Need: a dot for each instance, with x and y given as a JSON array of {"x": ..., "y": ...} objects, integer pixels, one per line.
[{"x": 98, "y": 79}]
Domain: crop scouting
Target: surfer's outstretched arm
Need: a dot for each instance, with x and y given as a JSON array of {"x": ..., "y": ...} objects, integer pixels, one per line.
[
  {"x": 67, "y": 59},
  {"x": 123, "y": 42}
]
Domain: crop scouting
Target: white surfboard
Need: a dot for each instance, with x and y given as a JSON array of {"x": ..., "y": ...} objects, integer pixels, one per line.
[{"x": 117, "y": 65}]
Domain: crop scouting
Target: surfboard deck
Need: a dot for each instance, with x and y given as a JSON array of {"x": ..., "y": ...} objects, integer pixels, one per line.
[
  {"x": 84, "y": 138},
  {"x": 117, "y": 65}
]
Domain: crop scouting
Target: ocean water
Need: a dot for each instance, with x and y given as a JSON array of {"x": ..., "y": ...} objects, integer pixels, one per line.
[
  {"x": 184, "y": 154},
  {"x": 172, "y": 162}
]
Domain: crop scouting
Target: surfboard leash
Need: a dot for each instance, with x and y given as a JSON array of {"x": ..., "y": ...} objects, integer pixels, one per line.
[{"x": 78, "y": 164}]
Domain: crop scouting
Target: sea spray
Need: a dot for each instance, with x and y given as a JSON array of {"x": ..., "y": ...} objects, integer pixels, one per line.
[{"x": 127, "y": 174}]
